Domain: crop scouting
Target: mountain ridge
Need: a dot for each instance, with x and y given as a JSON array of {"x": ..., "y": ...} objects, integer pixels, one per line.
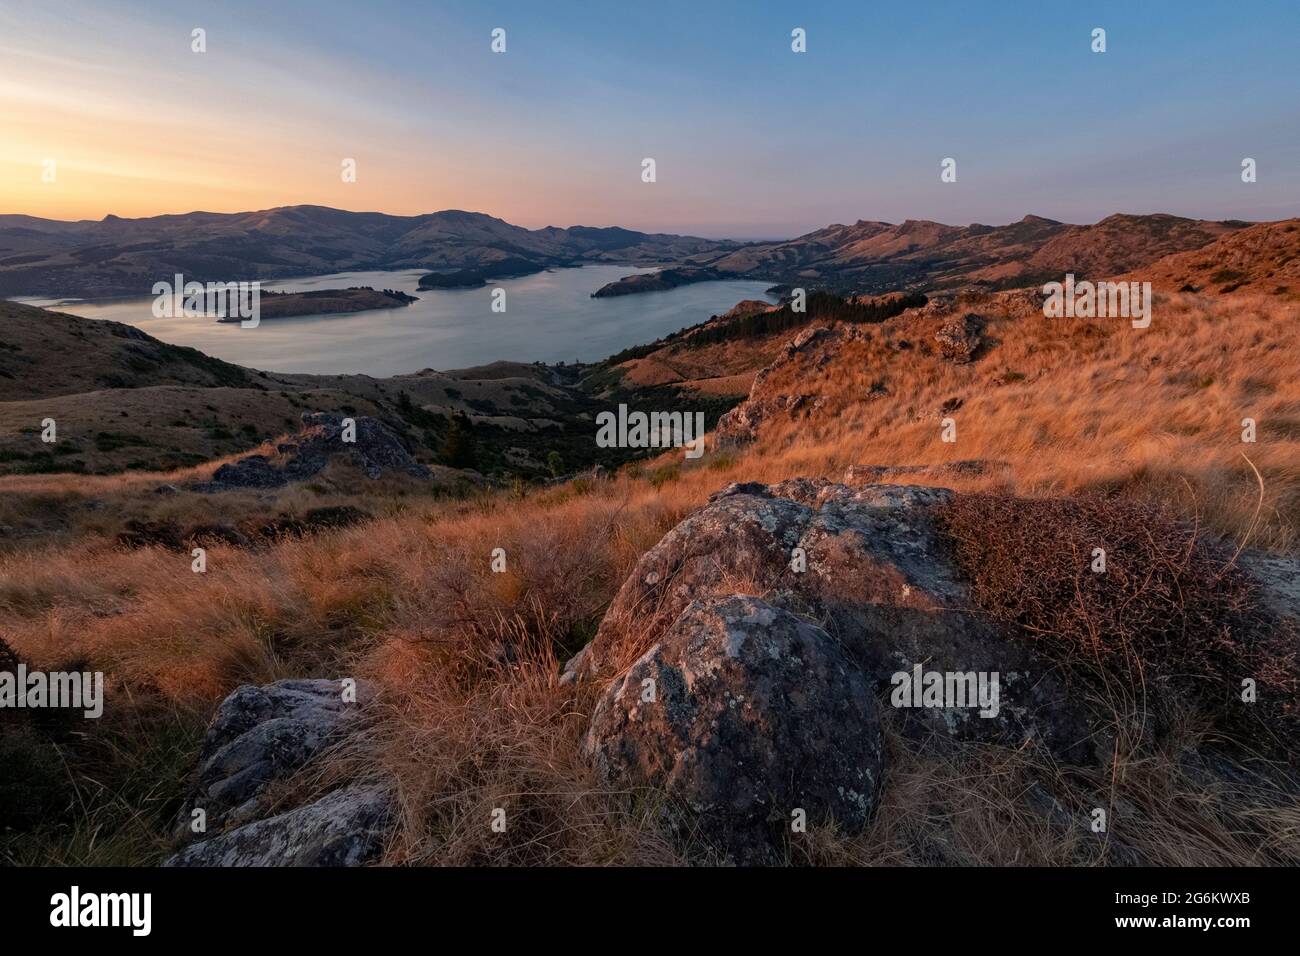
[{"x": 117, "y": 256}]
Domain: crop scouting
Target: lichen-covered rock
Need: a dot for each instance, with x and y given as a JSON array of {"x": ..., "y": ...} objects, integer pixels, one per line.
[
  {"x": 346, "y": 827},
  {"x": 870, "y": 565},
  {"x": 960, "y": 338},
  {"x": 743, "y": 715},
  {"x": 261, "y": 735}
]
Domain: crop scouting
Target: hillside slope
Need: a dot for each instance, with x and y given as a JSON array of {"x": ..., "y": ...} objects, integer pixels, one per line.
[
  {"x": 670, "y": 555},
  {"x": 1263, "y": 259}
]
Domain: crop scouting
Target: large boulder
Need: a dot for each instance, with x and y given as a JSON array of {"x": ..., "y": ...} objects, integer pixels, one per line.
[
  {"x": 744, "y": 716},
  {"x": 261, "y": 735},
  {"x": 871, "y": 566}
]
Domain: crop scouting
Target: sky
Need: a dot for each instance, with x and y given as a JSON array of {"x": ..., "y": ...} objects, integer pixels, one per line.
[{"x": 750, "y": 139}]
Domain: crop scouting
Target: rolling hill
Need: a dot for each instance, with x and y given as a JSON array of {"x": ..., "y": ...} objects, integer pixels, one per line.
[
  {"x": 874, "y": 257},
  {"x": 116, "y": 256}
]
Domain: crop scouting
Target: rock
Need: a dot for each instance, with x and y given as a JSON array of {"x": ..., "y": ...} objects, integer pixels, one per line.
[
  {"x": 261, "y": 735},
  {"x": 756, "y": 714},
  {"x": 377, "y": 449},
  {"x": 1279, "y": 580},
  {"x": 344, "y": 828},
  {"x": 969, "y": 468},
  {"x": 575, "y": 666},
  {"x": 814, "y": 346},
  {"x": 879, "y": 579},
  {"x": 960, "y": 338},
  {"x": 264, "y": 735}
]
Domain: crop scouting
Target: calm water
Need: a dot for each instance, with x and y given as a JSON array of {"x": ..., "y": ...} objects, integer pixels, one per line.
[{"x": 549, "y": 317}]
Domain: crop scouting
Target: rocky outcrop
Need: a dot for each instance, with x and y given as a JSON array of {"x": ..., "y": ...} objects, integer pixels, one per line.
[
  {"x": 375, "y": 450},
  {"x": 960, "y": 338},
  {"x": 740, "y": 425},
  {"x": 869, "y": 564},
  {"x": 260, "y": 737},
  {"x": 747, "y": 718},
  {"x": 752, "y": 651}
]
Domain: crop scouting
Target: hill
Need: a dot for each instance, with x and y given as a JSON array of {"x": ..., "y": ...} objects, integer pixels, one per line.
[
  {"x": 904, "y": 484},
  {"x": 124, "y": 401},
  {"x": 1262, "y": 259},
  {"x": 875, "y": 257},
  {"x": 116, "y": 256}
]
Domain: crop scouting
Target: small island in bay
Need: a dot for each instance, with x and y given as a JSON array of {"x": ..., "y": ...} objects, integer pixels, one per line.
[
  {"x": 278, "y": 305},
  {"x": 657, "y": 281},
  {"x": 475, "y": 277}
]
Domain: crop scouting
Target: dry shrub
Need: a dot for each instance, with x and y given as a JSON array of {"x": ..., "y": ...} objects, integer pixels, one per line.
[
  {"x": 1171, "y": 613},
  {"x": 985, "y": 805}
]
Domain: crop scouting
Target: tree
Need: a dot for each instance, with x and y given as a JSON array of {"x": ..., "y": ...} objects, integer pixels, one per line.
[
  {"x": 458, "y": 448},
  {"x": 555, "y": 464}
]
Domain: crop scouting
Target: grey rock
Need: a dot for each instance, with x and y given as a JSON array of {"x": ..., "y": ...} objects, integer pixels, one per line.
[
  {"x": 756, "y": 715},
  {"x": 878, "y": 578},
  {"x": 960, "y": 338},
  {"x": 1279, "y": 580},
  {"x": 346, "y": 827},
  {"x": 261, "y": 735}
]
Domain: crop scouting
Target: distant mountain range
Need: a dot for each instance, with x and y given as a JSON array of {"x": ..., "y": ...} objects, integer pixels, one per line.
[
  {"x": 126, "y": 256},
  {"x": 876, "y": 257},
  {"x": 117, "y": 256}
]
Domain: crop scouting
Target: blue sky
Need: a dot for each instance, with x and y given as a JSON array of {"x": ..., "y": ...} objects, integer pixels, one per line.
[{"x": 750, "y": 139}]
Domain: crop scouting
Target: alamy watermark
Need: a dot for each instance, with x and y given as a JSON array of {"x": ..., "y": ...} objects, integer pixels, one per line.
[
  {"x": 73, "y": 909},
  {"x": 220, "y": 300},
  {"x": 1098, "y": 300},
  {"x": 946, "y": 690},
  {"x": 638, "y": 429},
  {"x": 75, "y": 690}
]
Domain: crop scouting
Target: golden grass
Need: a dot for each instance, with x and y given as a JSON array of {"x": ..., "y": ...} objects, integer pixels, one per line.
[
  {"x": 1076, "y": 405},
  {"x": 472, "y": 716}
]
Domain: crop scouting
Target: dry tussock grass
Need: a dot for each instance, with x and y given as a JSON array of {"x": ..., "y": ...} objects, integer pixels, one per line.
[
  {"x": 471, "y": 715},
  {"x": 1077, "y": 405}
]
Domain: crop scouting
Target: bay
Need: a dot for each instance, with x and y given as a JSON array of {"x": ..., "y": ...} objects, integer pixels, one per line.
[{"x": 550, "y": 317}]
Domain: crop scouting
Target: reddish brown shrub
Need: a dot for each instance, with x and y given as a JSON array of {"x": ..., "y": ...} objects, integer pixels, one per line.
[{"x": 1171, "y": 613}]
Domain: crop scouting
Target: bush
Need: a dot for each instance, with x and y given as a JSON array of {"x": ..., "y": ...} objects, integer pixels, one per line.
[
  {"x": 1171, "y": 611},
  {"x": 458, "y": 448},
  {"x": 33, "y": 785}
]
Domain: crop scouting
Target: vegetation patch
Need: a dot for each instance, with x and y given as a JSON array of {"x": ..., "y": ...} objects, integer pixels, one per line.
[{"x": 1113, "y": 587}]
